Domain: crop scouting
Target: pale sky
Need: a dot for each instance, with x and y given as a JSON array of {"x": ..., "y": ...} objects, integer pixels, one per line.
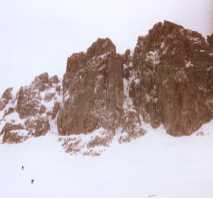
[{"x": 38, "y": 35}]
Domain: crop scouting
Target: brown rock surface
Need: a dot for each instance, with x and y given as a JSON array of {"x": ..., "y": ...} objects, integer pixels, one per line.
[
  {"x": 56, "y": 109},
  {"x": 167, "y": 80},
  {"x": 210, "y": 40},
  {"x": 29, "y": 97},
  {"x": 10, "y": 134},
  {"x": 27, "y": 102},
  {"x": 176, "y": 79},
  {"x": 5, "y": 98},
  {"x": 31, "y": 107},
  {"x": 93, "y": 90},
  {"x": 37, "y": 126}
]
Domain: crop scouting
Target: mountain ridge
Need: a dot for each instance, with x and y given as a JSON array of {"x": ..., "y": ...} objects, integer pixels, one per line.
[{"x": 166, "y": 80}]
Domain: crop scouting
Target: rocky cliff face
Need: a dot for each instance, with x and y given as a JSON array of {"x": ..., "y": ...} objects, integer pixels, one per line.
[
  {"x": 32, "y": 111},
  {"x": 175, "y": 68},
  {"x": 93, "y": 90},
  {"x": 167, "y": 80}
]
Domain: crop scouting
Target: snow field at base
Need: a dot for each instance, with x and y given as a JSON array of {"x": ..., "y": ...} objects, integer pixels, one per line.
[{"x": 155, "y": 165}]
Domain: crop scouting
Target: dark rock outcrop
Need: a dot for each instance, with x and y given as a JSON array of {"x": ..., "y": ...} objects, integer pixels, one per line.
[
  {"x": 93, "y": 90},
  {"x": 37, "y": 126},
  {"x": 210, "y": 40},
  {"x": 30, "y": 112},
  {"x": 27, "y": 102},
  {"x": 10, "y": 133},
  {"x": 29, "y": 97},
  {"x": 176, "y": 73},
  {"x": 167, "y": 80},
  {"x": 5, "y": 98}
]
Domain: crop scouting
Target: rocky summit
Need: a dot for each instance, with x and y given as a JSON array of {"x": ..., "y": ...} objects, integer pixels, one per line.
[{"x": 167, "y": 80}]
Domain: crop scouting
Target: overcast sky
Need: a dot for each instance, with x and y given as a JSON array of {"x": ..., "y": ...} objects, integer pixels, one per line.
[{"x": 39, "y": 35}]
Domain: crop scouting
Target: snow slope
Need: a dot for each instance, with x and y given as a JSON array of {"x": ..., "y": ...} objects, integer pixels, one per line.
[{"x": 156, "y": 165}]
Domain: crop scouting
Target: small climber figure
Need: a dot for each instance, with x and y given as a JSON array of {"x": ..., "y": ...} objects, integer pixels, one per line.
[
  {"x": 22, "y": 167},
  {"x": 32, "y": 181}
]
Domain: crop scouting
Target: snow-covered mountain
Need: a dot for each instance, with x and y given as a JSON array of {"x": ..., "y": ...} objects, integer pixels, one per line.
[
  {"x": 158, "y": 99},
  {"x": 166, "y": 81}
]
